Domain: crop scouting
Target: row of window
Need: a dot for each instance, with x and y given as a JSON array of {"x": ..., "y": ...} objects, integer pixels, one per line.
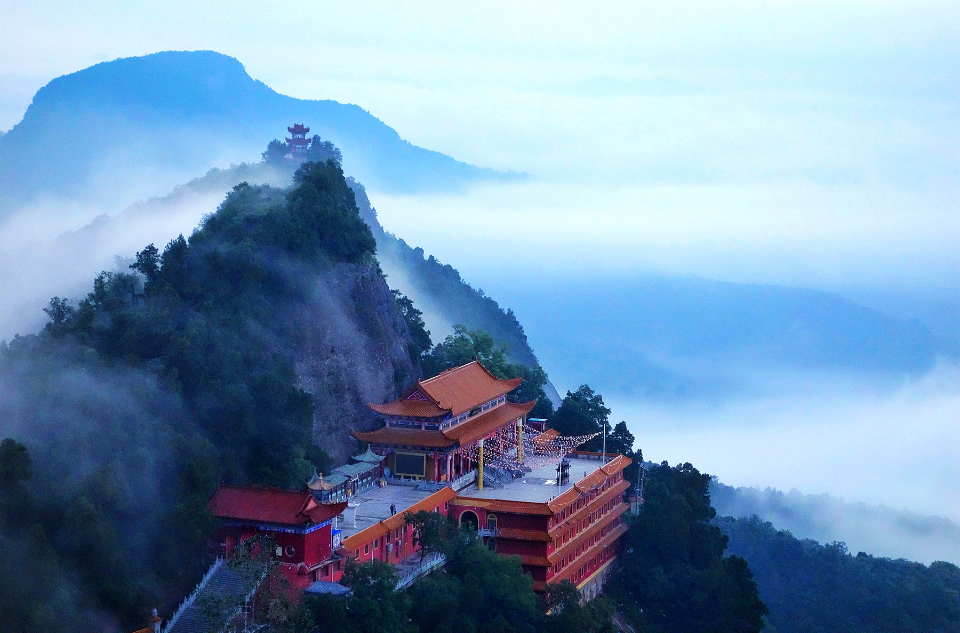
[
  {"x": 582, "y": 525},
  {"x": 591, "y": 565},
  {"x": 381, "y": 542},
  {"x": 476, "y": 410},
  {"x": 586, "y": 545},
  {"x": 586, "y": 498}
]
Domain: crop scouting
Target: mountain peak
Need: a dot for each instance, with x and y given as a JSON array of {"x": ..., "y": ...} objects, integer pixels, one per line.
[{"x": 174, "y": 114}]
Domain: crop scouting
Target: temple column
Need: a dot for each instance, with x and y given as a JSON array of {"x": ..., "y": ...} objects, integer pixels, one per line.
[
  {"x": 480, "y": 467},
  {"x": 520, "y": 441}
]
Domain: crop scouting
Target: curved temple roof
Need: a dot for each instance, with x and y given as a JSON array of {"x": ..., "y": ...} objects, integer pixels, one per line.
[
  {"x": 265, "y": 505},
  {"x": 453, "y": 392},
  {"x": 462, "y": 434}
]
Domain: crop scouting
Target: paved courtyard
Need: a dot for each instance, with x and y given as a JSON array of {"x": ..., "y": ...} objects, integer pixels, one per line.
[{"x": 374, "y": 506}]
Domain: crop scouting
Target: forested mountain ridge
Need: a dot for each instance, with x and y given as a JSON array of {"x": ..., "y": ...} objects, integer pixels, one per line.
[
  {"x": 814, "y": 588},
  {"x": 178, "y": 112},
  {"x": 436, "y": 289},
  {"x": 878, "y": 529},
  {"x": 211, "y": 361},
  {"x": 440, "y": 292}
]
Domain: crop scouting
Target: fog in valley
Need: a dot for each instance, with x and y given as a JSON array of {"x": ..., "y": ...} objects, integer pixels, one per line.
[{"x": 754, "y": 258}]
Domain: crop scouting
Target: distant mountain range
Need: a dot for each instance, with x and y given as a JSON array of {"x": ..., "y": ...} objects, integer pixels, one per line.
[
  {"x": 673, "y": 338},
  {"x": 877, "y": 529},
  {"x": 165, "y": 117}
]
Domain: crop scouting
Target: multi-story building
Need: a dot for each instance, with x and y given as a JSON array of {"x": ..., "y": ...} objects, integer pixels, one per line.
[{"x": 454, "y": 445}]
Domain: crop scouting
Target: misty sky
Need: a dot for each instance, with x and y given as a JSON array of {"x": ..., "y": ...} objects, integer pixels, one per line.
[{"x": 806, "y": 143}]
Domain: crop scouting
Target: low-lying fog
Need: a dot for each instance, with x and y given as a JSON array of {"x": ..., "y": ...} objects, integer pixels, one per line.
[{"x": 864, "y": 424}]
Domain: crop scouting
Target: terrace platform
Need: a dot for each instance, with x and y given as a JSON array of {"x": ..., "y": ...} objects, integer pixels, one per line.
[
  {"x": 537, "y": 486},
  {"x": 373, "y": 506}
]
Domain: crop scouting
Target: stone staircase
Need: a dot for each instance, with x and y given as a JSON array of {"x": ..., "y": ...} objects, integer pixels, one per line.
[
  {"x": 495, "y": 477},
  {"x": 218, "y": 599}
]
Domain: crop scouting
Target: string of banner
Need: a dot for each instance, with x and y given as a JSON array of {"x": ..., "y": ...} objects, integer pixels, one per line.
[{"x": 538, "y": 449}]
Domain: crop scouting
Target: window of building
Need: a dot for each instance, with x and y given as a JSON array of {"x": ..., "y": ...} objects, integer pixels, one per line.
[{"x": 366, "y": 549}]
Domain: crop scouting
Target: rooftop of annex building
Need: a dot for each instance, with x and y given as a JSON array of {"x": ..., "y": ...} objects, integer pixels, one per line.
[
  {"x": 539, "y": 485},
  {"x": 373, "y": 506}
]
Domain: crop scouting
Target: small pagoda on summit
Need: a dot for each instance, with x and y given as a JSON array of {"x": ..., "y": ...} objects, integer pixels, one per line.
[{"x": 298, "y": 143}]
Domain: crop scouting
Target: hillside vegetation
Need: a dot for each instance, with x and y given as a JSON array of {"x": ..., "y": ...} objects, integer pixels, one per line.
[
  {"x": 131, "y": 406},
  {"x": 814, "y": 588}
]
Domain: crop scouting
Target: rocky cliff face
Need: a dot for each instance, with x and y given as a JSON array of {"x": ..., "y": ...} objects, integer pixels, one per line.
[{"x": 352, "y": 350}]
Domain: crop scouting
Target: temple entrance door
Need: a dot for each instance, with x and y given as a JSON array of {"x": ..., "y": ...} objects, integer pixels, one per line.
[{"x": 470, "y": 520}]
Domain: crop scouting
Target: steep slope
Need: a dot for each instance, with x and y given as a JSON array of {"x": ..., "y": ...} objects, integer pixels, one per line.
[
  {"x": 241, "y": 355},
  {"x": 143, "y": 123},
  {"x": 436, "y": 289}
]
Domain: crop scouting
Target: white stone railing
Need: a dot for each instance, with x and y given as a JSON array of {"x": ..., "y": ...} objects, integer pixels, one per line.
[
  {"x": 428, "y": 564},
  {"x": 463, "y": 481},
  {"x": 189, "y": 599}
]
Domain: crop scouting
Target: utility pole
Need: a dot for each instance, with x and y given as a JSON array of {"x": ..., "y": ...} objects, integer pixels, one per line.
[{"x": 604, "y": 442}]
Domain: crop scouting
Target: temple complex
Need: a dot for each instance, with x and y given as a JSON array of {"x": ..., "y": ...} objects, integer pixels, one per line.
[
  {"x": 455, "y": 445},
  {"x": 298, "y": 141},
  {"x": 436, "y": 432}
]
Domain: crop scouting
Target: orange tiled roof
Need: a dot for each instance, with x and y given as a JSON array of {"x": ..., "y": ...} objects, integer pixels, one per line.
[
  {"x": 396, "y": 521},
  {"x": 549, "y": 434},
  {"x": 463, "y": 388},
  {"x": 609, "y": 493},
  {"x": 533, "y": 560},
  {"x": 454, "y": 391},
  {"x": 463, "y": 433},
  {"x": 503, "y": 505},
  {"x": 410, "y": 408},
  {"x": 589, "y": 482},
  {"x": 488, "y": 422},
  {"x": 405, "y": 437},
  {"x": 264, "y": 505},
  {"x": 607, "y": 540}
]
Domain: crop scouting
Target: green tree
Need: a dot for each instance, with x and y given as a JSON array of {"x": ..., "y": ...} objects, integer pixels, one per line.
[
  {"x": 321, "y": 151},
  {"x": 275, "y": 152},
  {"x": 374, "y": 606},
  {"x": 465, "y": 345},
  {"x": 674, "y": 575},
  {"x": 16, "y": 502},
  {"x": 420, "y": 342},
  {"x": 478, "y": 591},
  {"x": 430, "y": 531},
  {"x": 620, "y": 440},
  {"x": 61, "y": 317},
  {"x": 566, "y": 613},
  {"x": 148, "y": 264},
  {"x": 582, "y": 412}
]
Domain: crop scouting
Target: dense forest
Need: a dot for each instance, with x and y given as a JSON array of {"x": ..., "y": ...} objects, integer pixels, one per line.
[
  {"x": 675, "y": 575},
  {"x": 814, "y": 588},
  {"x": 132, "y": 405},
  {"x": 196, "y": 366}
]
